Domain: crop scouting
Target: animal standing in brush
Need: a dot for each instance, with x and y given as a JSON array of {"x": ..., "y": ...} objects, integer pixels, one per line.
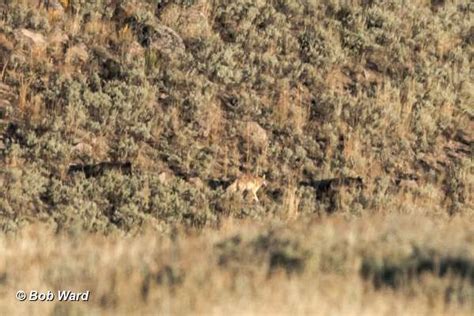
[{"x": 247, "y": 183}]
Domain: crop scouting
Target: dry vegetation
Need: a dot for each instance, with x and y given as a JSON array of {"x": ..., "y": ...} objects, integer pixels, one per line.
[
  {"x": 388, "y": 265},
  {"x": 122, "y": 123}
]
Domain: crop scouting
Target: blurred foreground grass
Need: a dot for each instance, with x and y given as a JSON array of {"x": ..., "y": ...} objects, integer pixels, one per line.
[{"x": 390, "y": 265}]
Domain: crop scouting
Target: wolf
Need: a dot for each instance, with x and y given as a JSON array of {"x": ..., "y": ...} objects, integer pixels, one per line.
[
  {"x": 247, "y": 183},
  {"x": 99, "y": 169}
]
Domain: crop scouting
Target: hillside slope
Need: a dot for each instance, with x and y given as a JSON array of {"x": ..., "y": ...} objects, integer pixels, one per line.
[
  {"x": 191, "y": 94},
  {"x": 124, "y": 124}
]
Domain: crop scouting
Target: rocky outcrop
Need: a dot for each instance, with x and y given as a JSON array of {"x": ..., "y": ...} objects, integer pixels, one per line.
[
  {"x": 255, "y": 134},
  {"x": 150, "y": 33}
]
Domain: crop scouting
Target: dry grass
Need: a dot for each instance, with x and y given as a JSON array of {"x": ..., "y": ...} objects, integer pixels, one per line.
[
  {"x": 193, "y": 274},
  {"x": 289, "y": 109}
]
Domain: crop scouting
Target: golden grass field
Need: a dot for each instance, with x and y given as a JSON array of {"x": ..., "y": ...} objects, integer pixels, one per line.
[
  {"x": 222, "y": 271},
  {"x": 125, "y": 127}
]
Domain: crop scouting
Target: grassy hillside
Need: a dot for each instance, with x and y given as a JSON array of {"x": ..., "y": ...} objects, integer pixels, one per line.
[{"x": 131, "y": 118}]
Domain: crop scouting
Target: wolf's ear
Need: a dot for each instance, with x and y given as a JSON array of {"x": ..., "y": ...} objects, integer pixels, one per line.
[{"x": 264, "y": 176}]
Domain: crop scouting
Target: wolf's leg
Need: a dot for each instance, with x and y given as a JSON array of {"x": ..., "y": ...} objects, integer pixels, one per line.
[{"x": 255, "y": 196}]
